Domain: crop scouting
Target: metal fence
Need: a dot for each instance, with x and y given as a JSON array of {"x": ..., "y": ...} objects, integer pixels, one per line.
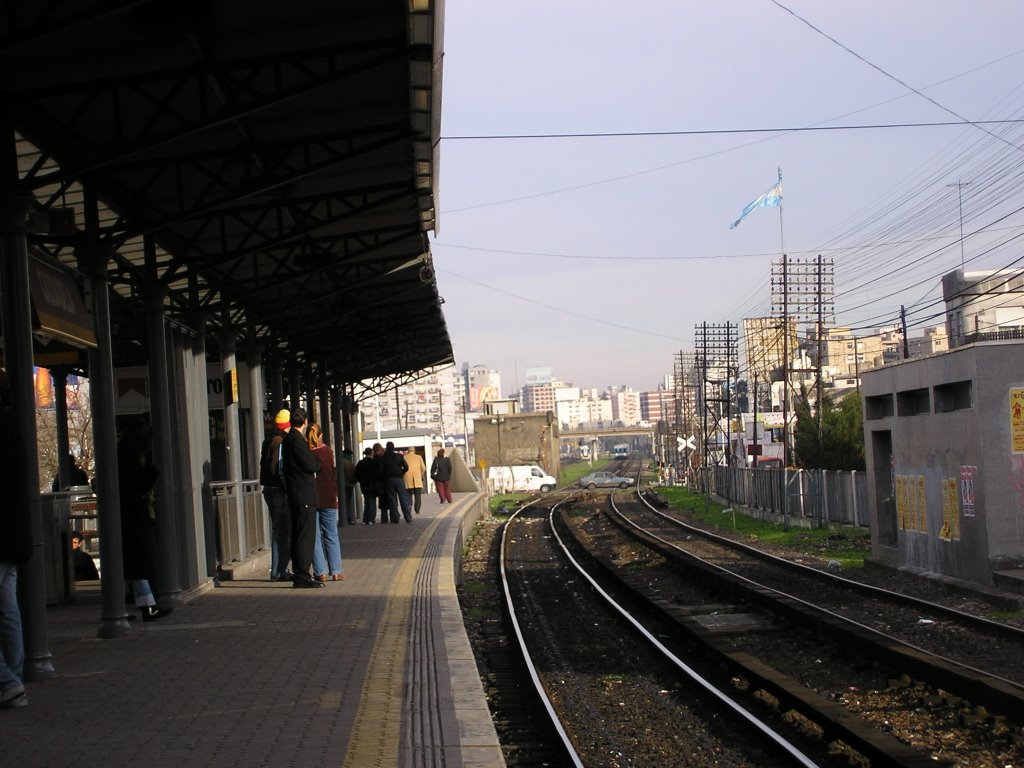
[
  {"x": 229, "y": 544},
  {"x": 816, "y": 495}
]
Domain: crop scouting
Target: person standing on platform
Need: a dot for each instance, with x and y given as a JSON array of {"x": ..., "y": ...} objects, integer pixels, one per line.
[
  {"x": 15, "y": 548},
  {"x": 300, "y": 468},
  {"x": 394, "y": 474},
  {"x": 414, "y": 477},
  {"x": 327, "y": 550},
  {"x": 441, "y": 474},
  {"x": 85, "y": 566},
  {"x": 366, "y": 476},
  {"x": 76, "y": 476},
  {"x": 274, "y": 493},
  {"x": 383, "y": 496},
  {"x": 136, "y": 477},
  {"x": 348, "y": 472}
]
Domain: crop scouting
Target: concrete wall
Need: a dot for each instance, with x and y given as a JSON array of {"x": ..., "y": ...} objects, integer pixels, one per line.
[
  {"x": 525, "y": 438},
  {"x": 948, "y": 420}
]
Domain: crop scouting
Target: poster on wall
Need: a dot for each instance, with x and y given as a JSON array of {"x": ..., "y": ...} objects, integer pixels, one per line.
[
  {"x": 1017, "y": 419},
  {"x": 968, "y": 479}
]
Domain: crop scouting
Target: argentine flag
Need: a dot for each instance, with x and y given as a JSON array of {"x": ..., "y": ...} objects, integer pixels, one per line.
[{"x": 770, "y": 199}]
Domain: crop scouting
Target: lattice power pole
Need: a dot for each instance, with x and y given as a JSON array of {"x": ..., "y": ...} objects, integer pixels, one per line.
[
  {"x": 717, "y": 360},
  {"x": 683, "y": 407},
  {"x": 803, "y": 290}
]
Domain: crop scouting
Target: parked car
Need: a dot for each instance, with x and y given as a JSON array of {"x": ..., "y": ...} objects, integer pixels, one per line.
[{"x": 605, "y": 480}]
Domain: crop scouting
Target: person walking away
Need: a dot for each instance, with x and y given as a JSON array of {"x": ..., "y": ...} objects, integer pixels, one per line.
[
  {"x": 414, "y": 477},
  {"x": 327, "y": 550},
  {"x": 15, "y": 548},
  {"x": 300, "y": 468},
  {"x": 136, "y": 477},
  {"x": 441, "y": 474},
  {"x": 348, "y": 472},
  {"x": 383, "y": 496},
  {"x": 394, "y": 473},
  {"x": 272, "y": 480},
  {"x": 366, "y": 476}
]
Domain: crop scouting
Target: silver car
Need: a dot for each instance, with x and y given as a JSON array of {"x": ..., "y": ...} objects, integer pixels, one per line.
[{"x": 605, "y": 480}]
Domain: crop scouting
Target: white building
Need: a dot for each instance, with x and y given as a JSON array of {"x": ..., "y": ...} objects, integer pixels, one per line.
[
  {"x": 987, "y": 305},
  {"x": 434, "y": 402},
  {"x": 482, "y": 384}
]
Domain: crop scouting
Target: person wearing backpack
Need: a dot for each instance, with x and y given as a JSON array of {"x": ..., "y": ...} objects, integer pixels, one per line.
[{"x": 272, "y": 480}]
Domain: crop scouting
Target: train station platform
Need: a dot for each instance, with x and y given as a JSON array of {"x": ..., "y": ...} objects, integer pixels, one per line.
[{"x": 375, "y": 670}]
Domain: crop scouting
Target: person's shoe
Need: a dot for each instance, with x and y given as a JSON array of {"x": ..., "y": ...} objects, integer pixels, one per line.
[
  {"x": 152, "y": 613},
  {"x": 307, "y": 583},
  {"x": 338, "y": 577},
  {"x": 322, "y": 577},
  {"x": 14, "y": 697}
]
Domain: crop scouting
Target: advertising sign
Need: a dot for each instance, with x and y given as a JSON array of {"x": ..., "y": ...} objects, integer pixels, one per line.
[{"x": 1017, "y": 419}]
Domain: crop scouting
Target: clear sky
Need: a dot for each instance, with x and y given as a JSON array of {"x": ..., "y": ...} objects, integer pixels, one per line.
[{"x": 597, "y": 256}]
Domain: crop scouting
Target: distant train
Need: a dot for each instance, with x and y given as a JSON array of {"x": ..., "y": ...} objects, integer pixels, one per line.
[{"x": 620, "y": 451}]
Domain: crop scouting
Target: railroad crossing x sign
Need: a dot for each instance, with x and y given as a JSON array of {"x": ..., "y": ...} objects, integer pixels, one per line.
[{"x": 682, "y": 444}]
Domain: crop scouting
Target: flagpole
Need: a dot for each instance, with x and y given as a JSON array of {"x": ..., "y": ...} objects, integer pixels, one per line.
[{"x": 785, "y": 367}]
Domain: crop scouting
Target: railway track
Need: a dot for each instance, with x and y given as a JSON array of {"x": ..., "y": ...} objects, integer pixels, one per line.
[
  {"x": 615, "y": 693},
  {"x": 885, "y": 685},
  {"x": 834, "y": 699},
  {"x": 984, "y": 658}
]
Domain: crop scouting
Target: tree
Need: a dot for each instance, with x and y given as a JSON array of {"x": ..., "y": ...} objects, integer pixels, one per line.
[
  {"x": 842, "y": 434},
  {"x": 80, "y": 440}
]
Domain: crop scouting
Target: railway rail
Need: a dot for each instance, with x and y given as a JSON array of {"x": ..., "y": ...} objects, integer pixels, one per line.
[
  {"x": 977, "y": 657},
  {"x": 959, "y": 713},
  {"x": 928, "y": 701},
  {"x": 565, "y": 625}
]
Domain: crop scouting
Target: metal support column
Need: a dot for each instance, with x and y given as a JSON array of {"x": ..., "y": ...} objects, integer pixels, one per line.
[
  {"x": 294, "y": 390},
  {"x": 232, "y": 436},
  {"x": 324, "y": 413},
  {"x": 60, "y": 412},
  {"x": 16, "y": 314},
  {"x": 275, "y": 384},
  {"x": 344, "y": 512},
  {"x": 92, "y": 261},
  {"x": 165, "y": 432},
  {"x": 257, "y": 405}
]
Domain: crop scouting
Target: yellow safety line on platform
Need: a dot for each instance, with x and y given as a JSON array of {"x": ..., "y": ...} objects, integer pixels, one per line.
[{"x": 376, "y": 732}]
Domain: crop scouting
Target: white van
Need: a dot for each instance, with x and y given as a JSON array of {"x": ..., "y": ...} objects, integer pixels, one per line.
[{"x": 521, "y": 478}]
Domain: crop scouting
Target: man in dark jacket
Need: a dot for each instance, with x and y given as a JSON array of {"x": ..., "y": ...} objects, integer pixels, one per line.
[
  {"x": 366, "y": 476},
  {"x": 15, "y": 547},
  {"x": 394, "y": 475},
  {"x": 300, "y": 468},
  {"x": 276, "y": 497}
]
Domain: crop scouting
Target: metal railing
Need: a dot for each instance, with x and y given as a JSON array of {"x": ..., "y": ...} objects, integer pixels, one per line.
[
  {"x": 230, "y": 547},
  {"x": 818, "y": 495}
]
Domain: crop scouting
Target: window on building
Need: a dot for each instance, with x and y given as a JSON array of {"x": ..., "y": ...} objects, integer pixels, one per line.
[
  {"x": 955, "y": 396},
  {"x": 913, "y": 402},
  {"x": 878, "y": 407}
]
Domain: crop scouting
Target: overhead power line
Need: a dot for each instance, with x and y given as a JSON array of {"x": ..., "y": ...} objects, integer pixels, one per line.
[{"x": 722, "y": 131}]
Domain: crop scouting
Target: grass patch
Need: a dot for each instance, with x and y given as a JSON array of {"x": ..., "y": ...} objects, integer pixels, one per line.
[
  {"x": 503, "y": 504},
  {"x": 847, "y": 545},
  {"x": 1006, "y": 615}
]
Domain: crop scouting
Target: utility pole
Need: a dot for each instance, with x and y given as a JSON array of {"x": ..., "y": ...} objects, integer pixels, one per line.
[
  {"x": 903, "y": 324},
  {"x": 960, "y": 197}
]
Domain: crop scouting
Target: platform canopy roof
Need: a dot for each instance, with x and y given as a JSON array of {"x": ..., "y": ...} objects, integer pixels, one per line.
[{"x": 272, "y": 166}]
